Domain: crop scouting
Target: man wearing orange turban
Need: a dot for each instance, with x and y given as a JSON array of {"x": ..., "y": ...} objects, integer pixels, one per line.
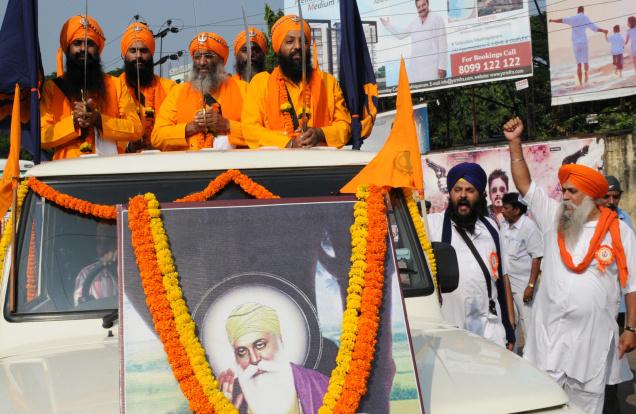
[
  {"x": 588, "y": 262},
  {"x": 280, "y": 111},
  {"x": 204, "y": 112},
  {"x": 147, "y": 89},
  {"x": 258, "y": 45},
  {"x": 84, "y": 110}
]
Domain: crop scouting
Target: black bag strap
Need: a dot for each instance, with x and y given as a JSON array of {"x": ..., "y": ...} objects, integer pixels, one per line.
[
  {"x": 209, "y": 101},
  {"x": 484, "y": 269},
  {"x": 292, "y": 112}
]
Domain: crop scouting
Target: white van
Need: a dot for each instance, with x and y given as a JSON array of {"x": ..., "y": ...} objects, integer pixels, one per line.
[{"x": 57, "y": 357}]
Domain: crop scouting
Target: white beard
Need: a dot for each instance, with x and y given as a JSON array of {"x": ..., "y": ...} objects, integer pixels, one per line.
[
  {"x": 210, "y": 82},
  {"x": 571, "y": 221},
  {"x": 271, "y": 391}
]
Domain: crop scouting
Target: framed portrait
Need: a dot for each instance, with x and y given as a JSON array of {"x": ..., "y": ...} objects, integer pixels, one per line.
[{"x": 265, "y": 282}]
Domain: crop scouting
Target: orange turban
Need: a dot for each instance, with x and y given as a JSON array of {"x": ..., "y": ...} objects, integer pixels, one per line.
[
  {"x": 74, "y": 29},
  {"x": 285, "y": 25},
  {"x": 212, "y": 42},
  {"x": 256, "y": 36},
  {"x": 585, "y": 179},
  {"x": 137, "y": 32}
]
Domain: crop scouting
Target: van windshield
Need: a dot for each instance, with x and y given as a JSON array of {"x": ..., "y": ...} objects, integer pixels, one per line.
[{"x": 67, "y": 262}]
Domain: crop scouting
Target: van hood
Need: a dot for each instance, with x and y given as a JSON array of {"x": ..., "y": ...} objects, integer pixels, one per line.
[{"x": 460, "y": 372}]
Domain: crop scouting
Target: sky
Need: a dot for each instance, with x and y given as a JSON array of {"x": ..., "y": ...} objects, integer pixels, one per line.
[{"x": 221, "y": 16}]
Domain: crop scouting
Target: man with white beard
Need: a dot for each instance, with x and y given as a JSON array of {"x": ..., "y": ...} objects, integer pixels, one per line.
[
  {"x": 589, "y": 255},
  {"x": 206, "y": 111},
  {"x": 267, "y": 382}
]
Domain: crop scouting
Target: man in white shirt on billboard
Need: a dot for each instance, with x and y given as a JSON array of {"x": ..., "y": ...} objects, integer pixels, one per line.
[
  {"x": 429, "y": 50},
  {"x": 521, "y": 253},
  {"x": 580, "y": 22}
]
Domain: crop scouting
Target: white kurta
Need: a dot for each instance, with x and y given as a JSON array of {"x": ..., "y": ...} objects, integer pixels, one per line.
[
  {"x": 429, "y": 50},
  {"x": 467, "y": 306},
  {"x": 521, "y": 242},
  {"x": 573, "y": 330}
]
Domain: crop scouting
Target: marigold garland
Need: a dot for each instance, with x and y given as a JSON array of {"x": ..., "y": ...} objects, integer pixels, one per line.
[
  {"x": 286, "y": 107},
  {"x": 110, "y": 212},
  {"x": 160, "y": 308},
  {"x": 421, "y": 233},
  {"x": 71, "y": 203},
  {"x": 31, "y": 281},
  {"x": 355, "y": 382},
  {"x": 359, "y": 235},
  {"x": 6, "y": 239}
]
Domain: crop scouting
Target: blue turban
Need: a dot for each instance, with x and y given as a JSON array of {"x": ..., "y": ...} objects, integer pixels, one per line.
[{"x": 470, "y": 172}]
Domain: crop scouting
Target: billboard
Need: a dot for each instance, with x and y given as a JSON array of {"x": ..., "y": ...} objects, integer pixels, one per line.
[
  {"x": 592, "y": 49},
  {"x": 445, "y": 43},
  {"x": 544, "y": 160}
]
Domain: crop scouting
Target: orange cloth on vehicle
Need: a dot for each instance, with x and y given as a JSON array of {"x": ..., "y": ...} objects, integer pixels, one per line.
[
  {"x": 285, "y": 25},
  {"x": 179, "y": 108},
  {"x": 208, "y": 41},
  {"x": 262, "y": 115},
  {"x": 586, "y": 179},
  {"x": 120, "y": 122},
  {"x": 256, "y": 36},
  {"x": 154, "y": 95},
  {"x": 74, "y": 29},
  {"x": 137, "y": 32}
]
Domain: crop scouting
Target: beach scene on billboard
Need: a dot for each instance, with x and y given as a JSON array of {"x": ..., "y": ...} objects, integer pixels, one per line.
[
  {"x": 265, "y": 283},
  {"x": 592, "y": 49},
  {"x": 544, "y": 160},
  {"x": 445, "y": 43}
]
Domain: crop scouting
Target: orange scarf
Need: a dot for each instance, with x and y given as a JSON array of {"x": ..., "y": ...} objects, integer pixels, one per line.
[
  {"x": 607, "y": 221},
  {"x": 277, "y": 119}
]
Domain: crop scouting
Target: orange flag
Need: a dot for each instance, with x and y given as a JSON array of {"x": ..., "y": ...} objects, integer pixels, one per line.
[
  {"x": 398, "y": 164},
  {"x": 12, "y": 167}
]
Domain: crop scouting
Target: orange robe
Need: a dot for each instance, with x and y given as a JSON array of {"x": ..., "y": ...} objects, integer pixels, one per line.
[
  {"x": 257, "y": 127},
  {"x": 242, "y": 84},
  {"x": 154, "y": 95},
  {"x": 179, "y": 108},
  {"x": 120, "y": 122}
]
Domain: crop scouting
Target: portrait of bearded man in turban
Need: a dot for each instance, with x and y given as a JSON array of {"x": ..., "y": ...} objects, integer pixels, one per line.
[{"x": 266, "y": 381}]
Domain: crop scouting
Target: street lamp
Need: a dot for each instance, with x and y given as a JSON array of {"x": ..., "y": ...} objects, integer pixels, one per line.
[{"x": 161, "y": 35}]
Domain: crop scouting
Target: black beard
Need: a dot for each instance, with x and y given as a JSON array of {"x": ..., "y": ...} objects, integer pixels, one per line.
[
  {"x": 294, "y": 70},
  {"x": 74, "y": 76},
  {"x": 146, "y": 73},
  {"x": 257, "y": 67},
  {"x": 466, "y": 221}
]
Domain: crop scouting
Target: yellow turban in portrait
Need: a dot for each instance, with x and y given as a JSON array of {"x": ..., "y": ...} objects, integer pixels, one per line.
[{"x": 251, "y": 317}]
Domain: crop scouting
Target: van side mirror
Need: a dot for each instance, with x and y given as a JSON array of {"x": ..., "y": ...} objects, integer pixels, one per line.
[{"x": 447, "y": 266}]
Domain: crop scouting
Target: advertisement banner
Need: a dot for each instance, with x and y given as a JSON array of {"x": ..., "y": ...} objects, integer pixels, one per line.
[
  {"x": 592, "y": 49},
  {"x": 445, "y": 43},
  {"x": 544, "y": 160}
]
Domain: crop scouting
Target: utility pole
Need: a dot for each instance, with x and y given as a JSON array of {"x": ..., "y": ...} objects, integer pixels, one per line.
[
  {"x": 472, "y": 93},
  {"x": 161, "y": 35}
]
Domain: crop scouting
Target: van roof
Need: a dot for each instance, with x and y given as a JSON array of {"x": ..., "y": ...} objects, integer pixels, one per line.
[{"x": 182, "y": 161}]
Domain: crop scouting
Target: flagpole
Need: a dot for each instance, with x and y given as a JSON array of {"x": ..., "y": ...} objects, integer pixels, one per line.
[{"x": 14, "y": 255}]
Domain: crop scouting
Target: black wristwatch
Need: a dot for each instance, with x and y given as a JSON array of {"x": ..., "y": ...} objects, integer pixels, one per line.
[{"x": 631, "y": 329}]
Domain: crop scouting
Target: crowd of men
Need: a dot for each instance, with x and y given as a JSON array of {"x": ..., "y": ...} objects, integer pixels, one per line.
[
  {"x": 564, "y": 272},
  {"x": 86, "y": 111}
]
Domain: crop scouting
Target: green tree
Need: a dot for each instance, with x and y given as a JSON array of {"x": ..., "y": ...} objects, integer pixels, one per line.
[{"x": 270, "y": 18}]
